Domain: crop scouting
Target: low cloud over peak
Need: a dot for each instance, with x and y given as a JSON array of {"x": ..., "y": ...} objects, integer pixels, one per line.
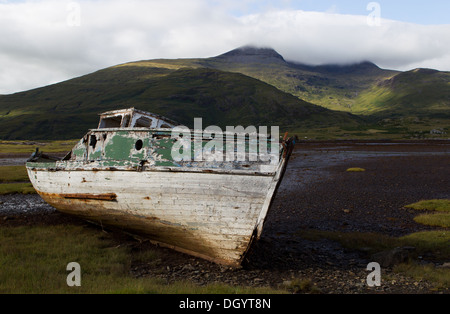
[{"x": 48, "y": 41}]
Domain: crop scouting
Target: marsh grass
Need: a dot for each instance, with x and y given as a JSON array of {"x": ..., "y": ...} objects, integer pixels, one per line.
[
  {"x": 437, "y": 275},
  {"x": 28, "y": 147},
  {"x": 34, "y": 260},
  {"x": 435, "y": 243},
  {"x": 438, "y": 212},
  {"x": 437, "y": 205},
  {"x": 438, "y": 220},
  {"x": 14, "y": 179},
  {"x": 13, "y": 174},
  {"x": 12, "y": 188},
  {"x": 356, "y": 169}
]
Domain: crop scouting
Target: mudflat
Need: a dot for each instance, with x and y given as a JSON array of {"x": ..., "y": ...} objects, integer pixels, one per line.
[{"x": 317, "y": 193}]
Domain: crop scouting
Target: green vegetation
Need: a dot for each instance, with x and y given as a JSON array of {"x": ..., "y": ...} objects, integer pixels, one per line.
[
  {"x": 439, "y": 276},
  {"x": 408, "y": 93},
  {"x": 14, "y": 179},
  {"x": 34, "y": 260},
  {"x": 13, "y": 174},
  {"x": 331, "y": 86},
  {"x": 68, "y": 109},
  {"x": 437, "y": 205},
  {"x": 418, "y": 100},
  {"x": 12, "y": 188},
  {"x": 434, "y": 243},
  {"x": 356, "y": 169},
  {"x": 440, "y": 219},
  {"x": 245, "y": 86},
  {"x": 28, "y": 147}
]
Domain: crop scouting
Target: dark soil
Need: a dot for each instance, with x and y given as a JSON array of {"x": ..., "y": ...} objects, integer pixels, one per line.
[{"x": 317, "y": 193}]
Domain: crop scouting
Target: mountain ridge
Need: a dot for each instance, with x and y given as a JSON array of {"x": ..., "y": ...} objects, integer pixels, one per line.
[
  {"x": 247, "y": 85},
  {"x": 67, "y": 109},
  {"x": 252, "y": 52},
  {"x": 354, "y": 88}
]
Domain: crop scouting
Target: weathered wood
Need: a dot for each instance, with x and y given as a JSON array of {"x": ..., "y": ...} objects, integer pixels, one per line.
[
  {"x": 127, "y": 179},
  {"x": 214, "y": 208}
]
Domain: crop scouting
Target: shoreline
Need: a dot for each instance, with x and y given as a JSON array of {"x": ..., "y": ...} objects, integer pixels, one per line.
[{"x": 317, "y": 193}]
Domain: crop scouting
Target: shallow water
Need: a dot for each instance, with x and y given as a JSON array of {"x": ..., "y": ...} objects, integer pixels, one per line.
[{"x": 13, "y": 161}]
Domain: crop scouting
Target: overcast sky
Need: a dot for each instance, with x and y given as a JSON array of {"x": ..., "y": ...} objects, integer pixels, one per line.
[{"x": 48, "y": 41}]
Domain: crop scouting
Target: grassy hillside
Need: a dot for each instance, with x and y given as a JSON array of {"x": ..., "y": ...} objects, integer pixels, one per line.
[
  {"x": 362, "y": 89},
  {"x": 335, "y": 87},
  {"x": 247, "y": 86},
  {"x": 180, "y": 92},
  {"x": 407, "y": 104},
  {"x": 418, "y": 92}
]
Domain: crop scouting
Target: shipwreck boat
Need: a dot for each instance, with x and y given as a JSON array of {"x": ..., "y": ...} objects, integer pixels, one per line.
[{"x": 122, "y": 174}]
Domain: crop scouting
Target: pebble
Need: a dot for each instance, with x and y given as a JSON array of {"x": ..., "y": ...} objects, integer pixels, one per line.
[{"x": 316, "y": 193}]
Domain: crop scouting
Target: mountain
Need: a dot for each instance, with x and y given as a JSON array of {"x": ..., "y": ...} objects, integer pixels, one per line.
[
  {"x": 412, "y": 101},
  {"x": 68, "y": 109},
  {"x": 249, "y": 54},
  {"x": 420, "y": 93},
  {"x": 332, "y": 86},
  {"x": 245, "y": 86},
  {"x": 361, "y": 88}
]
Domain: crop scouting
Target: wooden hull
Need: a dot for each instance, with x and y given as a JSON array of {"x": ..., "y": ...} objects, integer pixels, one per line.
[{"x": 214, "y": 215}]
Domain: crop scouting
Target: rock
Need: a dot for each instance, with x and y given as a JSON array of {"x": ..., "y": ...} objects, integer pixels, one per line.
[
  {"x": 393, "y": 257},
  {"x": 445, "y": 265},
  {"x": 437, "y": 131},
  {"x": 188, "y": 267}
]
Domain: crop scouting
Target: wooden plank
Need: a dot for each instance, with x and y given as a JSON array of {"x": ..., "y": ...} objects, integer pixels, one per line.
[
  {"x": 87, "y": 196},
  {"x": 217, "y": 211}
]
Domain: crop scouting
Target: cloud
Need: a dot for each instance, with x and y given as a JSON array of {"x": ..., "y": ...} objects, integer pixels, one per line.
[
  {"x": 318, "y": 38},
  {"x": 48, "y": 41}
]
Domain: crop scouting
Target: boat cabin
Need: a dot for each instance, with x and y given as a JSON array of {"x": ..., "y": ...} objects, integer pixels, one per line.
[{"x": 134, "y": 118}]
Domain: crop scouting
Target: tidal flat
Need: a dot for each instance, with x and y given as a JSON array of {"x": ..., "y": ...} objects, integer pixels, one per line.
[{"x": 318, "y": 204}]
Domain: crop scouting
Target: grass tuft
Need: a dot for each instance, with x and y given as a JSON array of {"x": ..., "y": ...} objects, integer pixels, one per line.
[
  {"x": 439, "y": 275},
  {"x": 440, "y": 219},
  {"x": 356, "y": 170},
  {"x": 437, "y": 220},
  {"x": 442, "y": 205}
]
